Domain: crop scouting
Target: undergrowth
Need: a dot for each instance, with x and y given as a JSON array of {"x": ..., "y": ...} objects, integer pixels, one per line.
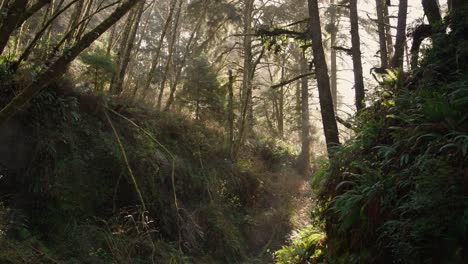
[
  {"x": 68, "y": 196},
  {"x": 398, "y": 191}
]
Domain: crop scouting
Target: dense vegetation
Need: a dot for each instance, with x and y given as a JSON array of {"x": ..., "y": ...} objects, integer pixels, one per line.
[
  {"x": 397, "y": 192},
  {"x": 233, "y": 131},
  {"x": 72, "y": 197}
]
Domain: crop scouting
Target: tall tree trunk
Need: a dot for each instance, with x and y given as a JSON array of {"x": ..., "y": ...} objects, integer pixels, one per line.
[
  {"x": 305, "y": 123},
  {"x": 230, "y": 111},
  {"x": 246, "y": 90},
  {"x": 323, "y": 81},
  {"x": 397, "y": 60},
  {"x": 431, "y": 9},
  {"x": 388, "y": 33},
  {"x": 59, "y": 66},
  {"x": 193, "y": 39},
  {"x": 356, "y": 50},
  {"x": 333, "y": 54},
  {"x": 127, "y": 44},
  {"x": 155, "y": 61},
  {"x": 170, "y": 54},
  {"x": 280, "y": 93},
  {"x": 380, "y": 5}
]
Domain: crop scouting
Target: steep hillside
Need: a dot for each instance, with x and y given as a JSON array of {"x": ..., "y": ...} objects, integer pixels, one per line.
[{"x": 89, "y": 179}]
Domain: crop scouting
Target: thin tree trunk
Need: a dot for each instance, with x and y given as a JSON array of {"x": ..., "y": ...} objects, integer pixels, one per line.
[
  {"x": 323, "y": 81},
  {"x": 19, "y": 38},
  {"x": 110, "y": 40},
  {"x": 59, "y": 66},
  {"x": 155, "y": 61},
  {"x": 397, "y": 60},
  {"x": 231, "y": 111},
  {"x": 388, "y": 33},
  {"x": 281, "y": 105},
  {"x": 169, "y": 55},
  {"x": 182, "y": 63},
  {"x": 305, "y": 122},
  {"x": 81, "y": 29},
  {"x": 333, "y": 54},
  {"x": 246, "y": 90},
  {"x": 38, "y": 35},
  {"x": 75, "y": 19},
  {"x": 382, "y": 36},
  {"x": 357, "y": 63},
  {"x": 126, "y": 47}
]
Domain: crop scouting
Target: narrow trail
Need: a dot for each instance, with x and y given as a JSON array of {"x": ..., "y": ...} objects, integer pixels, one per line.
[{"x": 283, "y": 210}]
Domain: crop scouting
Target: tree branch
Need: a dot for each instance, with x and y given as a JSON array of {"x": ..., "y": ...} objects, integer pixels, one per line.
[{"x": 283, "y": 83}]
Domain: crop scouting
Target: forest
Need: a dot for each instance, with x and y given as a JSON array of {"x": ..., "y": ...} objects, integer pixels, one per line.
[{"x": 234, "y": 131}]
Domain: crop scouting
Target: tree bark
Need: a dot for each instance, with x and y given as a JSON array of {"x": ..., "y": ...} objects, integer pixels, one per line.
[
  {"x": 388, "y": 33},
  {"x": 323, "y": 81},
  {"x": 231, "y": 111},
  {"x": 397, "y": 60},
  {"x": 58, "y": 67},
  {"x": 431, "y": 9},
  {"x": 357, "y": 63},
  {"x": 333, "y": 54},
  {"x": 382, "y": 36},
  {"x": 305, "y": 122}
]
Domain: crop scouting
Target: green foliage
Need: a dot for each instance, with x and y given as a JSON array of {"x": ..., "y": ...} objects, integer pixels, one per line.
[
  {"x": 396, "y": 193},
  {"x": 306, "y": 247},
  {"x": 202, "y": 93},
  {"x": 100, "y": 67},
  {"x": 75, "y": 198},
  {"x": 275, "y": 152}
]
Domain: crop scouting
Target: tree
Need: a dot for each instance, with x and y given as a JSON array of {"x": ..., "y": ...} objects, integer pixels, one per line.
[
  {"x": 100, "y": 67},
  {"x": 58, "y": 66},
  {"x": 323, "y": 81},
  {"x": 333, "y": 29},
  {"x": 397, "y": 60},
  {"x": 126, "y": 47},
  {"x": 16, "y": 14},
  {"x": 201, "y": 93},
  {"x": 305, "y": 122},
  {"x": 383, "y": 52},
  {"x": 155, "y": 60},
  {"x": 356, "y": 51}
]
